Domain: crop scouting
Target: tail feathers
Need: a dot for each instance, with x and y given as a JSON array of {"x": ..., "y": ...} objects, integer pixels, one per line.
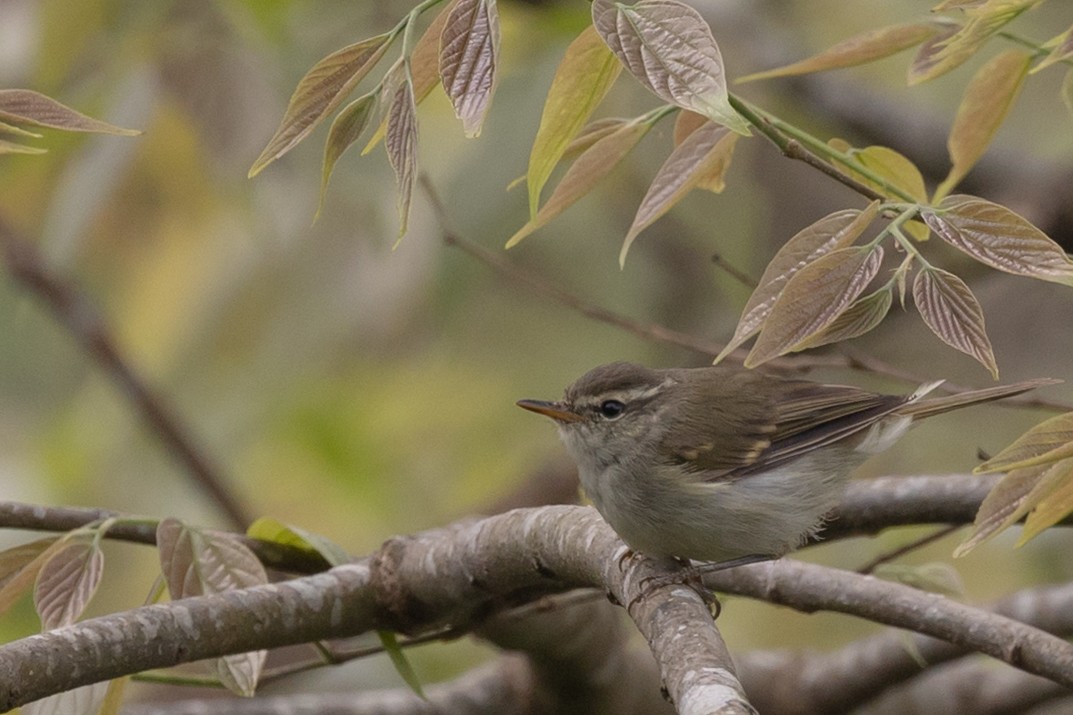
[{"x": 938, "y": 405}]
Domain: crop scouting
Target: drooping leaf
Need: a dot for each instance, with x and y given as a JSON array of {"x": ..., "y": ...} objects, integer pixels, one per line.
[
  {"x": 19, "y": 567},
  {"x": 952, "y": 312},
  {"x": 401, "y": 144},
  {"x": 813, "y": 299},
  {"x": 7, "y": 147},
  {"x": 703, "y": 156},
  {"x": 198, "y": 562},
  {"x": 6, "y": 128},
  {"x": 345, "y": 130},
  {"x": 24, "y": 106},
  {"x": 400, "y": 661},
  {"x": 1062, "y": 49},
  {"x": 861, "y": 317},
  {"x": 834, "y": 231},
  {"x": 584, "y": 76},
  {"x": 1049, "y": 441},
  {"x": 857, "y": 50},
  {"x": 590, "y": 134},
  {"x": 669, "y": 48},
  {"x": 944, "y": 53},
  {"x": 984, "y": 106},
  {"x": 1055, "y": 506},
  {"x": 589, "y": 168},
  {"x": 274, "y": 531},
  {"x": 319, "y": 92},
  {"x": 469, "y": 55},
  {"x": 1003, "y": 506},
  {"x": 998, "y": 237},
  {"x": 67, "y": 582}
]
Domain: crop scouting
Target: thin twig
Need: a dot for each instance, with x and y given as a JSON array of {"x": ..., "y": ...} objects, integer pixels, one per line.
[
  {"x": 74, "y": 311},
  {"x": 908, "y": 548},
  {"x": 734, "y": 272}
]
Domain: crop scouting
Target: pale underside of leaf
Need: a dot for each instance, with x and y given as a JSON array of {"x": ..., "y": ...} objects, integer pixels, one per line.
[
  {"x": 669, "y": 48},
  {"x": 984, "y": 106},
  {"x": 813, "y": 299},
  {"x": 319, "y": 92},
  {"x": 24, "y": 106},
  {"x": 998, "y": 237},
  {"x": 1062, "y": 50},
  {"x": 469, "y": 55},
  {"x": 79, "y": 701},
  {"x": 1003, "y": 506},
  {"x": 1047, "y": 442},
  {"x": 857, "y": 50},
  {"x": 589, "y": 168},
  {"x": 952, "y": 312},
  {"x": 19, "y": 567},
  {"x": 1055, "y": 506},
  {"x": 704, "y": 154},
  {"x": 586, "y": 73},
  {"x": 860, "y": 318},
  {"x": 834, "y": 231},
  {"x": 67, "y": 582},
  {"x": 401, "y": 144}
]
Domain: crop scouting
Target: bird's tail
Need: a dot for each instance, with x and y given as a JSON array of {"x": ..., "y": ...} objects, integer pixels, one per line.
[{"x": 920, "y": 408}]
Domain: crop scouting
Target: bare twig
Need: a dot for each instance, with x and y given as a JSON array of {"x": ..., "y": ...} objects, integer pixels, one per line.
[
  {"x": 907, "y": 548},
  {"x": 74, "y": 310}
]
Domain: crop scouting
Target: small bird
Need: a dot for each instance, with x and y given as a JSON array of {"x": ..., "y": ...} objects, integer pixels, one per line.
[{"x": 722, "y": 464}]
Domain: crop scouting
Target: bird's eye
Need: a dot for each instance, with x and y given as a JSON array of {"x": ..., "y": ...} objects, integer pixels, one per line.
[{"x": 612, "y": 409}]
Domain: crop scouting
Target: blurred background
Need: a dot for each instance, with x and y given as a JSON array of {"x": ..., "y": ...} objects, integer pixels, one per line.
[{"x": 362, "y": 392}]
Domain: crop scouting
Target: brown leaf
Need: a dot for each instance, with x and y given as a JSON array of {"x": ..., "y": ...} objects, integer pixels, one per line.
[
  {"x": 857, "y": 50},
  {"x": 592, "y": 133},
  {"x": 401, "y": 144},
  {"x": 813, "y": 299},
  {"x": 984, "y": 106},
  {"x": 319, "y": 92},
  {"x": 834, "y": 231},
  {"x": 469, "y": 54},
  {"x": 20, "y": 565},
  {"x": 669, "y": 48},
  {"x": 586, "y": 73},
  {"x": 1049, "y": 441},
  {"x": 861, "y": 317},
  {"x": 1003, "y": 506},
  {"x": 67, "y": 582},
  {"x": 686, "y": 123},
  {"x": 996, "y": 236},
  {"x": 425, "y": 59},
  {"x": 952, "y": 312},
  {"x": 703, "y": 156},
  {"x": 24, "y": 106},
  {"x": 589, "y": 168},
  {"x": 952, "y": 48}
]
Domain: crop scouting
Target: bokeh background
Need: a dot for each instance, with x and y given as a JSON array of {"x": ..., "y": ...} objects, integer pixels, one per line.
[{"x": 363, "y": 391}]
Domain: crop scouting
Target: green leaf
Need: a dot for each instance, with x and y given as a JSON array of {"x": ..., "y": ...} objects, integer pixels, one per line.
[
  {"x": 589, "y": 168},
  {"x": 861, "y": 317},
  {"x": 1067, "y": 91},
  {"x": 996, "y": 236},
  {"x": 813, "y": 299},
  {"x": 952, "y": 312},
  {"x": 1062, "y": 50},
  {"x": 984, "y": 107},
  {"x": 469, "y": 55},
  {"x": 669, "y": 48},
  {"x": 1003, "y": 506},
  {"x": 6, "y": 128},
  {"x": 277, "y": 532},
  {"x": 584, "y": 76},
  {"x": 894, "y": 168},
  {"x": 319, "y": 92},
  {"x": 857, "y": 50},
  {"x": 7, "y": 147},
  {"x": 1055, "y": 506},
  {"x": 704, "y": 156},
  {"x": 24, "y": 106},
  {"x": 1047, "y": 442},
  {"x": 832, "y": 232},
  {"x": 401, "y": 663},
  {"x": 345, "y": 130}
]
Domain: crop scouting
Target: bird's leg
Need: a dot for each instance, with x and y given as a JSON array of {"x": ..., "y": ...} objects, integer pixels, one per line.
[{"x": 693, "y": 576}]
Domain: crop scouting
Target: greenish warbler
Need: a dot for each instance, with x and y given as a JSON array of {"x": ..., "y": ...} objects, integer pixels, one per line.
[{"x": 724, "y": 464}]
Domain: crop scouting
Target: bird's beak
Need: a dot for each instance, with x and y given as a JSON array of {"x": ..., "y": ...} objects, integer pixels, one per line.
[{"x": 555, "y": 410}]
